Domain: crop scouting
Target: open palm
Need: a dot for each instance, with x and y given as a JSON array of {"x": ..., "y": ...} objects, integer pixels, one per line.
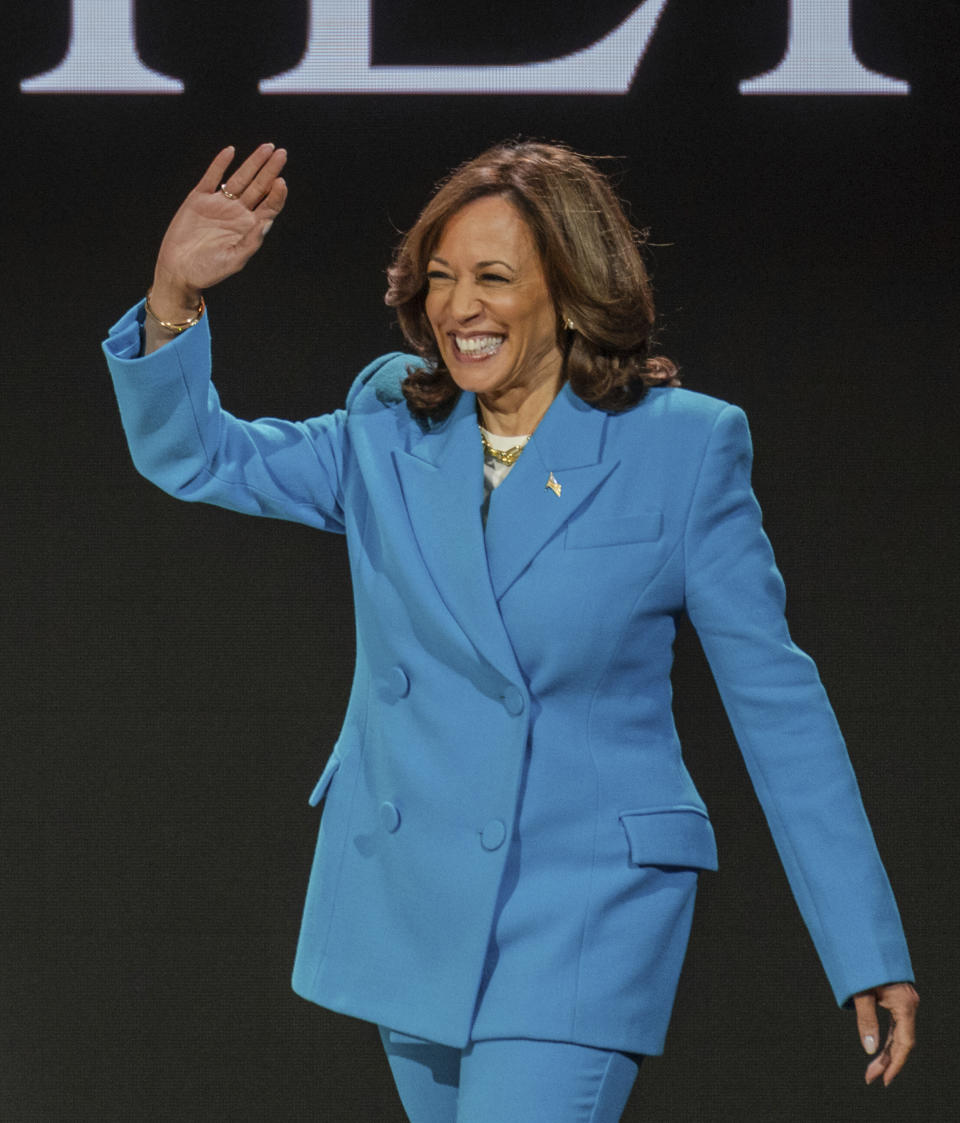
[{"x": 213, "y": 235}]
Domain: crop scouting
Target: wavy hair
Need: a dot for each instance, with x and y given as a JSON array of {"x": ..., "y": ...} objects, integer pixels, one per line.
[{"x": 591, "y": 260}]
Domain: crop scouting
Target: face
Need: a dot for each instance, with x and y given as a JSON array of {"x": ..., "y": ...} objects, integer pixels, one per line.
[{"x": 488, "y": 303}]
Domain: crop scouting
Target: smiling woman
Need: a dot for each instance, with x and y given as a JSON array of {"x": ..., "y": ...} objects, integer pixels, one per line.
[
  {"x": 510, "y": 845},
  {"x": 549, "y": 202},
  {"x": 493, "y": 316}
]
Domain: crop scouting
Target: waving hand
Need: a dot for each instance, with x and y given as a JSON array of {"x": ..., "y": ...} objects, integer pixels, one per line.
[{"x": 218, "y": 228}]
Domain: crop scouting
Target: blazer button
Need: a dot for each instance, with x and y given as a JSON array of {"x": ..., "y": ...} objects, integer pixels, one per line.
[
  {"x": 493, "y": 834},
  {"x": 398, "y": 682},
  {"x": 513, "y": 701},
  {"x": 389, "y": 817}
]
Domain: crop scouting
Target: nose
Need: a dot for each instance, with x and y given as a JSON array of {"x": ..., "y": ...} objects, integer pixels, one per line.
[{"x": 465, "y": 301}]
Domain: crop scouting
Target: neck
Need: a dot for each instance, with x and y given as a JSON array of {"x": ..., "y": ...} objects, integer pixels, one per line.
[{"x": 512, "y": 415}]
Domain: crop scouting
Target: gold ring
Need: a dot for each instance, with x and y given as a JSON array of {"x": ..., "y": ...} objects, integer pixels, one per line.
[{"x": 227, "y": 194}]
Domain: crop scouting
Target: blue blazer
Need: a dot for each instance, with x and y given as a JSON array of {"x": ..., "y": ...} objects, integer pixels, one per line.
[{"x": 510, "y": 839}]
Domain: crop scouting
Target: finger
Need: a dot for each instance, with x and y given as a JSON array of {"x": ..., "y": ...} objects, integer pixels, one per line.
[
  {"x": 891, "y": 1060},
  {"x": 881, "y": 1062},
  {"x": 213, "y": 176},
  {"x": 273, "y": 204},
  {"x": 902, "y": 1037},
  {"x": 243, "y": 176},
  {"x": 877, "y": 1067},
  {"x": 262, "y": 183},
  {"x": 266, "y": 212},
  {"x": 899, "y": 1051},
  {"x": 867, "y": 1024}
]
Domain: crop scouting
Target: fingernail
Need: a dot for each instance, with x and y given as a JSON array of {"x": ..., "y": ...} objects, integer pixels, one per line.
[
  {"x": 870, "y": 1043},
  {"x": 266, "y": 230}
]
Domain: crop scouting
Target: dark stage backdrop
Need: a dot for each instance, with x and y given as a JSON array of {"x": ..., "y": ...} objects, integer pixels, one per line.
[{"x": 174, "y": 676}]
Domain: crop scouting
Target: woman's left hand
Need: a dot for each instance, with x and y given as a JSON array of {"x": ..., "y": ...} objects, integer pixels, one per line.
[{"x": 900, "y": 1001}]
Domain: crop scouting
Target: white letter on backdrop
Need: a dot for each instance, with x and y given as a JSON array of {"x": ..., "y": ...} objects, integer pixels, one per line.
[
  {"x": 820, "y": 58},
  {"x": 102, "y": 56},
  {"x": 337, "y": 61}
]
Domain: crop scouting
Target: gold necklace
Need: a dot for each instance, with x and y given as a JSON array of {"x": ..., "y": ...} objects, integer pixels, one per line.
[{"x": 506, "y": 456}]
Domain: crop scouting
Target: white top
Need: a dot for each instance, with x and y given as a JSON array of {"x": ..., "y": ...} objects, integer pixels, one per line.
[{"x": 495, "y": 471}]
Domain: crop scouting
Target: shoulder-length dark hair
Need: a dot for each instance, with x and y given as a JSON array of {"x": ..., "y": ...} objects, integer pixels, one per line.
[{"x": 591, "y": 260}]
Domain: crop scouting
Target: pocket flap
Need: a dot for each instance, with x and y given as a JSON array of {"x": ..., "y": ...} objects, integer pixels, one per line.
[
  {"x": 324, "y": 782},
  {"x": 670, "y": 836},
  {"x": 644, "y": 526},
  {"x": 397, "y": 1038}
]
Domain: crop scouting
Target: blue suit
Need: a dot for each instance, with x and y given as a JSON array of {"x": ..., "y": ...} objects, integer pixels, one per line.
[{"x": 510, "y": 840}]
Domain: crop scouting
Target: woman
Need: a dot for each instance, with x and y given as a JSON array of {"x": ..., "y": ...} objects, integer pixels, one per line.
[{"x": 509, "y": 849}]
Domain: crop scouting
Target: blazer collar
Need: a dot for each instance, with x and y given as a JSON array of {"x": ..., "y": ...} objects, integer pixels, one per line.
[
  {"x": 441, "y": 478},
  {"x": 566, "y": 450}
]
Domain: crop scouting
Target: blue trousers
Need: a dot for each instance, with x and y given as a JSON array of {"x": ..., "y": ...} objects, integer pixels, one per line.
[{"x": 517, "y": 1081}]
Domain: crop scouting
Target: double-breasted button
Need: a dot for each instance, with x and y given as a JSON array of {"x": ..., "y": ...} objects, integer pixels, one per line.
[
  {"x": 493, "y": 835},
  {"x": 513, "y": 701},
  {"x": 389, "y": 817},
  {"x": 398, "y": 682}
]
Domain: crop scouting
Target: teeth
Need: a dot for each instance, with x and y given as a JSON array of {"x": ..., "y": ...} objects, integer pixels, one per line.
[{"x": 479, "y": 344}]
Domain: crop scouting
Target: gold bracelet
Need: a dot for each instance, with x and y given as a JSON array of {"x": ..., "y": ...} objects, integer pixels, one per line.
[{"x": 176, "y": 328}]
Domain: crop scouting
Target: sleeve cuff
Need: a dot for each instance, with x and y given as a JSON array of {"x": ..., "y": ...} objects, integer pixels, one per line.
[{"x": 124, "y": 342}]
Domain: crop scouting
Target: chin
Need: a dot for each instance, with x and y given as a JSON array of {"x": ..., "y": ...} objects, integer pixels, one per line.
[{"x": 476, "y": 377}]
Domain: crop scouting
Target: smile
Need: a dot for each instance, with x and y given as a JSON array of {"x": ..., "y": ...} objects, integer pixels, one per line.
[{"x": 478, "y": 346}]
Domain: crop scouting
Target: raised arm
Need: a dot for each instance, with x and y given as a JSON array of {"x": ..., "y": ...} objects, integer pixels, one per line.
[
  {"x": 179, "y": 436},
  {"x": 218, "y": 228}
]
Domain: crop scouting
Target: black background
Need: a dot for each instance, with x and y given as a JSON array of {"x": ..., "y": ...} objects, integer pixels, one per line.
[{"x": 174, "y": 676}]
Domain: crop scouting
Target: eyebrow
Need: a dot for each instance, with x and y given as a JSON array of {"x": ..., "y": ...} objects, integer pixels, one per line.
[{"x": 479, "y": 265}]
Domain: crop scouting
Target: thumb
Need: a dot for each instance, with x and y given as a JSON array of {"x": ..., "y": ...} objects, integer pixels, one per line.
[{"x": 867, "y": 1024}]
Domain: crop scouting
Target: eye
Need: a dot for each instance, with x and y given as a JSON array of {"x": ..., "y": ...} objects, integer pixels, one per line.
[
  {"x": 494, "y": 278},
  {"x": 437, "y": 275}
]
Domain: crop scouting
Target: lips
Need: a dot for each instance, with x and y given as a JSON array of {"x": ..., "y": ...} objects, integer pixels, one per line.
[{"x": 474, "y": 347}]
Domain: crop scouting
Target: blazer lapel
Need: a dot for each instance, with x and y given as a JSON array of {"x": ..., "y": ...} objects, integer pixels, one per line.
[
  {"x": 564, "y": 455},
  {"x": 441, "y": 478}
]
